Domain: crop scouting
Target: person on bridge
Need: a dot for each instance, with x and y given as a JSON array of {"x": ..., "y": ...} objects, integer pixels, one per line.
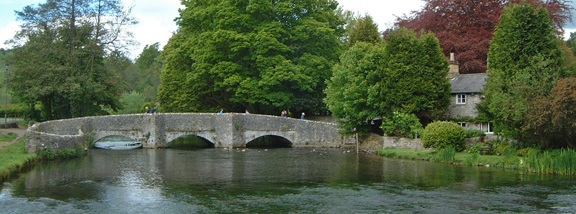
[
  {"x": 147, "y": 110},
  {"x": 221, "y": 111},
  {"x": 302, "y": 117},
  {"x": 154, "y": 110}
]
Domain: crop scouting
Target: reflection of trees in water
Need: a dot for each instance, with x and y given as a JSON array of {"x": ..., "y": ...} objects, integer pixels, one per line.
[
  {"x": 190, "y": 142},
  {"x": 58, "y": 180},
  {"x": 269, "y": 141}
]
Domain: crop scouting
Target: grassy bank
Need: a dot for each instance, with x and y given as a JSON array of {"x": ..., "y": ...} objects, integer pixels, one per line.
[
  {"x": 473, "y": 159},
  {"x": 559, "y": 162},
  {"x": 13, "y": 158}
]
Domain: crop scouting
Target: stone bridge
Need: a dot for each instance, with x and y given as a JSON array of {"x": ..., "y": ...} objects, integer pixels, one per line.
[{"x": 157, "y": 130}]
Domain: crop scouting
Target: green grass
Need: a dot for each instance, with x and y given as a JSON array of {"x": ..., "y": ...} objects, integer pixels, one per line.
[
  {"x": 8, "y": 137},
  {"x": 459, "y": 157},
  {"x": 13, "y": 158}
]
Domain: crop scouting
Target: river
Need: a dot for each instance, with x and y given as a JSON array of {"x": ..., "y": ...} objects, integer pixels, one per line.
[{"x": 283, "y": 180}]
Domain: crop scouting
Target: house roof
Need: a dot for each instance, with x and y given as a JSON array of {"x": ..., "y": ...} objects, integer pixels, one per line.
[{"x": 468, "y": 83}]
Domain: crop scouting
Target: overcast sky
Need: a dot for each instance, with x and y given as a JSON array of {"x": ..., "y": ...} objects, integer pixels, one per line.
[{"x": 157, "y": 16}]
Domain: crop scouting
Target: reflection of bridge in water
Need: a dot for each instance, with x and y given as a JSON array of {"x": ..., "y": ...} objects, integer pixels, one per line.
[{"x": 153, "y": 131}]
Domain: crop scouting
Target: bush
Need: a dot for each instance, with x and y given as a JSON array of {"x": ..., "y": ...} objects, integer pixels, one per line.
[
  {"x": 402, "y": 124},
  {"x": 442, "y": 134}
]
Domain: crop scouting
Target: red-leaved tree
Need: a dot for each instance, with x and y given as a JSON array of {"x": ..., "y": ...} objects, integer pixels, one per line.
[
  {"x": 465, "y": 27},
  {"x": 551, "y": 119}
]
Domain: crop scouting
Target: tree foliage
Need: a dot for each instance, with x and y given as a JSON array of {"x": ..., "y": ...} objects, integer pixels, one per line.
[
  {"x": 364, "y": 30},
  {"x": 525, "y": 63},
  {"x": 402, "y": 125},
  {"x": 548, "y": 118},
  {"x": 58, "y": 61},
  {"x": 406, "y": 74},
  {"x": 131, "y": 103},
  {"x": 258, "y": 55},
  {"x": 465, "y": 27}
]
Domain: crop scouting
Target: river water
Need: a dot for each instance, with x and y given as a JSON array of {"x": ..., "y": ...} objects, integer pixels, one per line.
[{"x": 284, "y": 180}]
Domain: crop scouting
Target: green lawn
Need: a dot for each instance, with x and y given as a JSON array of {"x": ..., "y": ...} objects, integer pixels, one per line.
[
  {"x": 14, "y": 157},
  {"x": 8, "y": 137},
  {"x": 460, "y": 157}
]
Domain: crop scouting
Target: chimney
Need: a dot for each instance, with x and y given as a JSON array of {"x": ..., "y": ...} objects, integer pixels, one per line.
[{"x": 454, "y": 67}]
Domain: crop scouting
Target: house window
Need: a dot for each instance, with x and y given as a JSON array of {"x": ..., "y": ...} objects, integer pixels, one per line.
[
  {"x": 463, "y": 124},
  {"x": 487, "y": 127},
  {"x": 461, "y": 99}
]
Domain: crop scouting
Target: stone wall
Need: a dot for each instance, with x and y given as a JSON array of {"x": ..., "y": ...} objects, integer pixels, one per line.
[{"x": 402, "y": 143}]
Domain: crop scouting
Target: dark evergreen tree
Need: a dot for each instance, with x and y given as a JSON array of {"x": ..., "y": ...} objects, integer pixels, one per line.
[
  {"x": 525, "y": 64},
  {"x": 407, "y": 74}
]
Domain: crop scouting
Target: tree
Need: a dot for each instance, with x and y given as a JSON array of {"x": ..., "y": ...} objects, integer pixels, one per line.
[
  {"x": 352, "y": 93},
  {"x": 149, "y": 65},
  {"x": 525, "y": 64},
  {"x": 131, "y": 103},
  {"x": 258, "y": 55},
  {"x": 548, "y": 118},
  {"x": 406, "y": 74},
  {"x": 364, "y": 30},
  {"x": 465, "y": 27},
  {"x": 415, "y": 76},
  {"x": 58, "y": 60}
]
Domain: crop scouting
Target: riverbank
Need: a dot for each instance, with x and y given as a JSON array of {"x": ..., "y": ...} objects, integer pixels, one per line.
[
  {"x": 473, "y": 159},
  {"x": 13, "y": 155}
]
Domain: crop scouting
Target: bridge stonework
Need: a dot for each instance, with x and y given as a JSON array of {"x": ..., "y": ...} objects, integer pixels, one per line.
[{"x": 157, "y": 130}]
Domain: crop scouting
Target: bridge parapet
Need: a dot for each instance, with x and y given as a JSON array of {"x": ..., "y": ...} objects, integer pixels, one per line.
[{"x": 157, "y": 130}]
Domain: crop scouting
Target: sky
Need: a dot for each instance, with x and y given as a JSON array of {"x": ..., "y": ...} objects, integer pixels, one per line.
[{"x": 157, "y": 24}]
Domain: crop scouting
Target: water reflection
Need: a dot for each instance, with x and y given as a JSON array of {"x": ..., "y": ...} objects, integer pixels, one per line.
[{"x": 277, "y": 181}]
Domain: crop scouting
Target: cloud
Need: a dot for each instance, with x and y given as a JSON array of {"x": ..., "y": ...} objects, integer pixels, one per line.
[
  {"x": 156, "y": 22},
  {"x": 8, "y": 32}
]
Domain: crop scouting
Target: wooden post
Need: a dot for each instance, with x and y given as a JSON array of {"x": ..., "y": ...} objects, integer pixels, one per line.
[{"x": 357, "y": 143}]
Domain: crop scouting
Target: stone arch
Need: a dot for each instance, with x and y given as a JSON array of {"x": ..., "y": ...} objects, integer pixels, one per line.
[
  {"x": 270, "y": 141},
  {"x": 209, "y": 143},
  {"x": 252, "y": 135}
]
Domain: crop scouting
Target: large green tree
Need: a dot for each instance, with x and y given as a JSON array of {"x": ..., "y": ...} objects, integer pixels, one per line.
[
  {"x": 525, "y": 64},
  {"x": 58, "y": 60},
  {"x": 259, "y": 55},
  {"x": 405, "y": 74}
]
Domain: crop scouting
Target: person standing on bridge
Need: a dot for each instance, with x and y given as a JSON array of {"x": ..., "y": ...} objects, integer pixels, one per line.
[
  {"x": 302, "y": 116},
  {"x": 221, "y": 111},
  {"x": 147, "y": 110}
]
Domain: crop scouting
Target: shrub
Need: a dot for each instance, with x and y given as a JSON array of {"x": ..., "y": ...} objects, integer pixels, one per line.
[
  {"x": 402, "y": 124},
  {"x": 442, "y": 134}
]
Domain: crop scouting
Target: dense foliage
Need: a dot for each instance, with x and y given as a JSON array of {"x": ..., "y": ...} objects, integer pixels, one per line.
[
  {"x": 465, "y": 27},
  {"x": 442, "y": 134},
  {"x": 548, "y": 118},
  {"x": 525, "y": 64},
  {"x": 264, "y": 56},
  {"x": 402, "y": 125},
  {"x": 62, "y": 44},
  {"x": 405, "y": 74},
  {"x": 364, "y": 30}
]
